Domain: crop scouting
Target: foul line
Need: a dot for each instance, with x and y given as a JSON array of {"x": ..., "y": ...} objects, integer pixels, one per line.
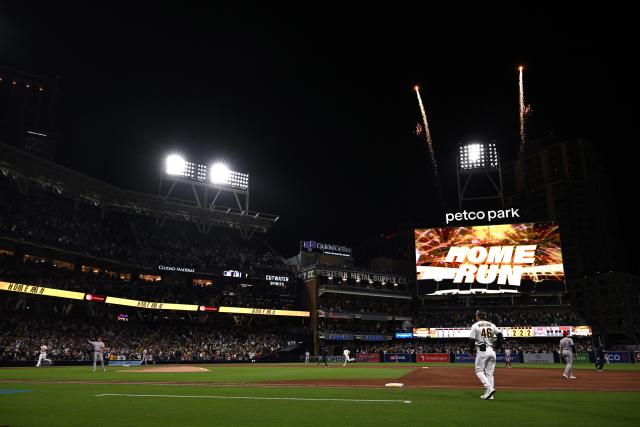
[{"x": 252, "y": 398}]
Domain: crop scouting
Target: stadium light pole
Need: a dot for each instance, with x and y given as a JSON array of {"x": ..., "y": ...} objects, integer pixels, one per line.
[
  {"x": 205, "y": 184},
  {"x": 479, "y": 160}
]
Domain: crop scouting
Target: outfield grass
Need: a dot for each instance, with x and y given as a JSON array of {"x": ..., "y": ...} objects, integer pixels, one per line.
[{"x": 57, "y": 404}]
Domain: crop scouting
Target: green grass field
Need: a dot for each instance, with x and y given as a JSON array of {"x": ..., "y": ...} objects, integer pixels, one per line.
[{"x": 69, "y": 404}]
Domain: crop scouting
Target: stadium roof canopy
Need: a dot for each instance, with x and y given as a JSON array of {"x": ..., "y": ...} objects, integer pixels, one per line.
[{"x": 26, "y": 169}]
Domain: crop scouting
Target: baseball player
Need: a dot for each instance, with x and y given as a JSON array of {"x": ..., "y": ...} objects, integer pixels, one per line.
[
  {"x": 43, "y": 356},
  {"x": 601, "y": 358},
  {"x": 347, "y": 359},
  {"x": 98, "y": 353},
  {"x": 307, "y": 356},
  {"x": 567, "y": 348},
  {"x": 507, "y": 358},
  {"x": 324, "y": 352},
  {"x": 483, "y": 338},
  {"x": 145, "y": 356}
]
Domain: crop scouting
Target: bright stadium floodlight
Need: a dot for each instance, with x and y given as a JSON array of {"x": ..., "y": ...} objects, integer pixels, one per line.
[
  {"x": 478, "y": 156},
  {"x": 479, "y": 160},
  {"x": 219, "y": 173},
  {"x": 175, "y": 165}
]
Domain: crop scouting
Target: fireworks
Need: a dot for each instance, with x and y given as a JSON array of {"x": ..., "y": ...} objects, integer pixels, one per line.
[
  {"x": 524, "y": 110},
  {"x": 427, "y": 132}
]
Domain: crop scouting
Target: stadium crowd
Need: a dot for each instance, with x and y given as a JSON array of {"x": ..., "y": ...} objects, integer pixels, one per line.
[
  {"x": 43, "y": 272},
  {"x": 460, "y": 346},
  {"x": 504, "y": 316},
  {"x": 172, "y": 341},
  {"x": 45, "y": 218}
]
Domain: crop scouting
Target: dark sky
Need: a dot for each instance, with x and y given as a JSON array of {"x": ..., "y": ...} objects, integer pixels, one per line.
[{"x": 316, "y": 104}]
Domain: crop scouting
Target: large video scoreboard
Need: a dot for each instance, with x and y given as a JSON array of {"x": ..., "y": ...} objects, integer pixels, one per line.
[{"x": 506, "y": 258}]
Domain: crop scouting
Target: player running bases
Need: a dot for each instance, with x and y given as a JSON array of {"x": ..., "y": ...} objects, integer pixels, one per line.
[
  {"x": 43, "y": 356},
  {"x": 484, "y": 336},
  {"x": 347, "y": 359}
]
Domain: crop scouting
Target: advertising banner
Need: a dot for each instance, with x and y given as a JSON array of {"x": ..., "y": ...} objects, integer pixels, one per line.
[
  {"x": 501, "y": 357},
  {"x": 618, "y": 356},
  {"x": 432, "y": 357},
  {"x": 503, "y": 258},
  {"x": 39, "y": 290},
  {"x": 373, "y": 337},
  {"x": 151, "y": 305},
  {"x": 263, "y": 311},
  {"x": 403, "y": 335},
  {"x": 400, "y": 357},
  {"x": 637, "y": 356},
  {"x": 368, "y": 357},
  {"x": 581, "y": 357},
  {"x": 537, "y": 357},
  {"x": 125, "y": 362},
  {"x": 336, "y": 337},
  {"x": 464, "y": 358}
]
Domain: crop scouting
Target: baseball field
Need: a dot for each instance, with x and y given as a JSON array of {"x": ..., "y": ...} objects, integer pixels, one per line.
[{"x": 308, "y": 395}]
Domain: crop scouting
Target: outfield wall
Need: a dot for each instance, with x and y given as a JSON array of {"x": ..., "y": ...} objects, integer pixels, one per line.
[{"x": 541, "y": 358}]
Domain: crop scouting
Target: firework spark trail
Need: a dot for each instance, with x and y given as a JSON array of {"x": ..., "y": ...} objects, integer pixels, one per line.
[
  {"x": 427, "y": 133},
  {"x": 523, "y": 111}
]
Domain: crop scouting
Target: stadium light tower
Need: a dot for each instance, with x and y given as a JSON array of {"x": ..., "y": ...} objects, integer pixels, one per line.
[
  {"x": 479, "y": 162},
  {"x": 204, "y": 186}
]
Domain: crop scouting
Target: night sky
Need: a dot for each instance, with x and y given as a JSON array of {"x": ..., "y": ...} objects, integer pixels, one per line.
[{"x": 317, "y": 104}]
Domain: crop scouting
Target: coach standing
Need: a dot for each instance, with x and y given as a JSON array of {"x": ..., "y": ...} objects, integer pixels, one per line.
[{"x": 567, "y": 348}]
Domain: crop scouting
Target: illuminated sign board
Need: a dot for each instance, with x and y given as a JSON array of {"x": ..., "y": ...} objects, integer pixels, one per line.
[
  {"x": 233, "y": 273},
  {"x": 151, "y": 305},
  {"x": 507, "y": 332},
  {"x": 403, "y": 335},
  {"x": 276, "y": 280},
  {"x": 326, "y": 248},
  {"x": 208, "y": 308},
  {"x": 506, "y": 258},
  {"x": 39, "y": 290},
  {"x": 178, "y": 269},
  {"x": 263, "y": 311}
]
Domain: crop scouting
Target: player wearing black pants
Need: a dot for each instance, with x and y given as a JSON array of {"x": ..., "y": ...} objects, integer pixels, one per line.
[
  {"x": 324, "y": 352},
  {"x": 600, "y": 359}
]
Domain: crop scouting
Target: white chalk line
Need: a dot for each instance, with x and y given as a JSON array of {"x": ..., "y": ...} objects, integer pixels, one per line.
[{"x": 251, "y": 398}]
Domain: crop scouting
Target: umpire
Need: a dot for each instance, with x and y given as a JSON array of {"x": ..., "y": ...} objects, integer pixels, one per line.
[{"x": 324, "y": 352}]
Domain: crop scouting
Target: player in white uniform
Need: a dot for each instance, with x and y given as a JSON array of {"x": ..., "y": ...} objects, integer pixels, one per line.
[
  {"x": 507, "y": 358},
  {"x": 566, "y": 351},
  {"x": 346, "y": 354},
  {"x": 307, "y": 356},
  {"x": 98, "y": 353},
  {"x": 145, "y": 356},
  {"x": 43, "y": 356},
  {"x": 484, "y": 336}
]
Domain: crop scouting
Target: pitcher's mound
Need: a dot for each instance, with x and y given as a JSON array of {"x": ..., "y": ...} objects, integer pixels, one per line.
[{"x": 169, "y": 369}]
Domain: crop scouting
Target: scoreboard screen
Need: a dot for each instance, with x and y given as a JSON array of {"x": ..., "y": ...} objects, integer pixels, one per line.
[{"x": 505, "y": 258}]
